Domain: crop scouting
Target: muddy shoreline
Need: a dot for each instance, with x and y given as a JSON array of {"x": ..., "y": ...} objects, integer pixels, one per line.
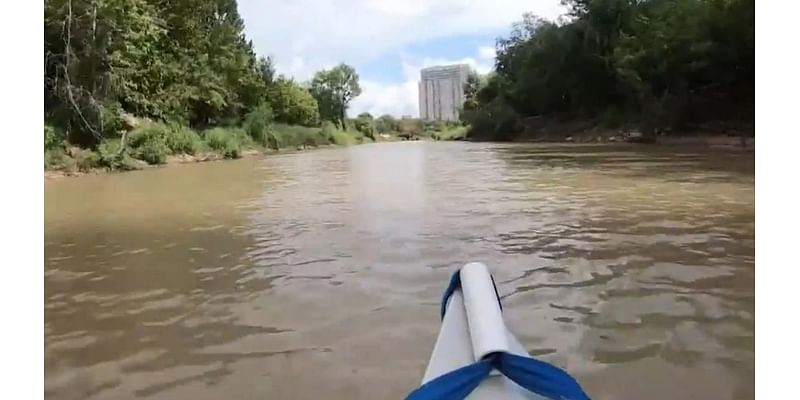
[{"x": 179, "y": 159}]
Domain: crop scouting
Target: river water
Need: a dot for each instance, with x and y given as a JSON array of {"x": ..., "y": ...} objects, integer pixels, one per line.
[{"x": 318, "y": 274}]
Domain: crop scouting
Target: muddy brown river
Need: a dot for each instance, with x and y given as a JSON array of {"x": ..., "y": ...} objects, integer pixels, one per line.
[{"x": 318, "y": 275}]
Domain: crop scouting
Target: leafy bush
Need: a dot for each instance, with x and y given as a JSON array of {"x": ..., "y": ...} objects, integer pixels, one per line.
[
  {"x": 327, "y": 131},
  {"x": 146, "y": 133},
  {"x": 386, "y": 123},
  {"x": 366, "y": 126},
  {"x": 56, "y": 159},
  {"x": 292, "y": 104},
  {"x": 148, "y": 143},
  {"x": 343, "y": 138},
  {"x": 257, "y": 124},
  {"x": 495, "y": 120},
  {"x": 286, "y": 136},
  {"x": 451, "y": 133},
  {"x": 85, "y": 160},
  {"x": 53, "y": 138},
  {"x": 153, "y": 152},
  {"x": 112, "y": 158},
  {"x": 112, "y": 123},
  {"x": 225, "y": 141},
  {"x": 183, "y": 140}
]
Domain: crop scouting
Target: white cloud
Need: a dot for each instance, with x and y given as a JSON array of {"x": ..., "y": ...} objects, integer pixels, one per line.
[
  {"x": 486, "y": 52},
  {"x": 386, "y": 98},
  {"x": 326, "y": 32},
  {"x": 305, "y": 36}
]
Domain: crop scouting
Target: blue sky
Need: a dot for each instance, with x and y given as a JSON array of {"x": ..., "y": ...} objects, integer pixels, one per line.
[
  {"x": 389, "y": 67},
  {"x": 387, "y": 41}
]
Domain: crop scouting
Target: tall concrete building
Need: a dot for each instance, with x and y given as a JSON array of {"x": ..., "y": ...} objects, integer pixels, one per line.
[{"x": 441, "y": 92}]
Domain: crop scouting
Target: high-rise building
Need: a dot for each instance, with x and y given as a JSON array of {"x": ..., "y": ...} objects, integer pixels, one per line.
[{"x": 441, "y": 92}]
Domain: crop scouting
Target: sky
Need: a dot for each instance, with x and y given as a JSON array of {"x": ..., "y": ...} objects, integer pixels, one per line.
[{"x": 387, "y": 41}]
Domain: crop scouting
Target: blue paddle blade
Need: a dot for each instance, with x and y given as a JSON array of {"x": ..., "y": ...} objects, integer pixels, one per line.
[
  {"x": 540, "y": 377},
  {"x": 454, "y": 385}
]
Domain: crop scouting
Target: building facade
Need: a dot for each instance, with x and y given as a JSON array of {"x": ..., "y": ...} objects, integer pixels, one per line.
[{"x": 441, "y": 92}]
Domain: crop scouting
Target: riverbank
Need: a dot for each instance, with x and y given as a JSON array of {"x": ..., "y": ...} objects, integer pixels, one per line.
[
  {"x": 616, "y": 136},
  {"x": 541, "y": 130},
  {"x": 159, "y": 145}
]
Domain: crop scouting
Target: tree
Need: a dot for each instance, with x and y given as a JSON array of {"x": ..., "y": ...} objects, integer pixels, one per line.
[
  {"x": 386, "y": 123},
  {"x": 365, "y": 124},
  {"x": 292, "y": 104},
  {"x": 185, "y": 61},
  {"x": 472, "y": 85},
  {"x": 659, "y": 64},
  {"x": 334, "y": 89},
  {"x": 266, "y": 69}
]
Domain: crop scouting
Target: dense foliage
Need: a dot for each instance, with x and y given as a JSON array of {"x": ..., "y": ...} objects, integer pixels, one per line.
[
  {"x": 292, "y": 104},
  {"x": 365, "y": 124},
  {"x": 142, "y": 77},
  {"x": 334, "y": 89},
  {"x": 186, "y": 61},
  {"x": 659, "y": 64}
]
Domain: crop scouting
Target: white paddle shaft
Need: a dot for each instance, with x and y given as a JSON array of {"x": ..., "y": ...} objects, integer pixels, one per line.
[{"x": 486, "y": 327}]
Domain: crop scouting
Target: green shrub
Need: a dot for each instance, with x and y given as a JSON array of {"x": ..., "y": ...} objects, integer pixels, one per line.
[
  {"x": 343, "y": 138},
  {"x": 112, "y": 158},
  {"x": 148, "y": 132},
  {"x": 451, "y": 133},
  {"x": 216, "y": 138},
  {"x": 149, "y": 143},
  {"x": 287, "y": 136},
  {"x": 85, "y": 160},
  {"x": 292, "y": 104},
  {"x": 112, "y": 123},
  {"x": 365, "y": 125},
  {"x": 183, "y": 140},
  {"x": 243, "y": 139},
  {"x": 257, "y": 124},
  {"x": 227, "y": 142},
  {"x": 327, "y": 131},
  {"x": 153, "y": 152},
  {"x": 53, "y": 138},
  {"x": 56, "y": 159}
]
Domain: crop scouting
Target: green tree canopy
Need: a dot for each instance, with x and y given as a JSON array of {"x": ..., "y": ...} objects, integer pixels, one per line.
[
  {"x": 185, "y": 61},
  {"x": 292, "y": 104},
  {"x": 659, "y": 63},
  {"x": 365, "y": 124},
  {"x": 334, "y": 89}
]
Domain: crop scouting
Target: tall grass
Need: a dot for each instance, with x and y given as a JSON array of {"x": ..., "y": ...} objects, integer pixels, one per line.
[
  {"x": 228, "y": 142},
  {"x": 183, "y": 140},
  {"x": 289, "y": 136},
  {"x": 456, "y": 133},
  {"x": 153, "y": 142},
  {"x": 257, "y": 124},
  {"x": 149, "y": 143}
]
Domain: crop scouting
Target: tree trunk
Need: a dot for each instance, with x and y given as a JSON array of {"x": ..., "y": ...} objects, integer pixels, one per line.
[
  {"x": 342, "y": 116},
  {"x": 66, "y": 67}
]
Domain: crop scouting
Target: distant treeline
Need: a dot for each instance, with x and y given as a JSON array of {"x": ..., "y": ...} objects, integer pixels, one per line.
[{"x": 660, "y": 66}]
